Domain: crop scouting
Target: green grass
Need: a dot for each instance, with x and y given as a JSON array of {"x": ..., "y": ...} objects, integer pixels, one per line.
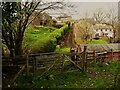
[
  {"x": 98, "y": 76},
  {"x": 62, "y": 50},
  {"x": 65, "y": 80},
  {"x": 43, "y": 39},
  {"x": 97, "y": 42},
  {"x": 32, "y": 35}
]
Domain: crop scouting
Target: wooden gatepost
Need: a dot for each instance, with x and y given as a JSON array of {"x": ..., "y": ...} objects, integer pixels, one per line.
[
  {"x": 34, "y": 65},
  {"x": 27, "y": 64},
  {"x": 84, "y": 59},
  {"x": 94, "y": 56},
  {"x": 112, "y": 54}
]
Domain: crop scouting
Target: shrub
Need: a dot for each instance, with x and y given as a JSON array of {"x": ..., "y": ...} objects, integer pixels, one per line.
[
  {"x": 48, "y": 43},
  {"x": 59, "y": 33},
  {"x": 44, "y": 45}
]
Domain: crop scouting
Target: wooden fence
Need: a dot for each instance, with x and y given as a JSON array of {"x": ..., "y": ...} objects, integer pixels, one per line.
[{"x": 46, "y": 61}]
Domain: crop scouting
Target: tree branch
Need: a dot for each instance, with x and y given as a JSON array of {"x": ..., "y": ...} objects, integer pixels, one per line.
[
  {"x": 50, "y": 6},
  {"x": 27, "y": 18}
]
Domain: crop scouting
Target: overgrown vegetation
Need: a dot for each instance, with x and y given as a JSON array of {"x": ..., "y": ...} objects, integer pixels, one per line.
[
  {"x": 100, "y": 75},
  {"x": 43, "y": 39}
]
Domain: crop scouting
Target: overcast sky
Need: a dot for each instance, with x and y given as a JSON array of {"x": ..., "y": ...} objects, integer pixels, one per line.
[{"x": 81, "y": 8}]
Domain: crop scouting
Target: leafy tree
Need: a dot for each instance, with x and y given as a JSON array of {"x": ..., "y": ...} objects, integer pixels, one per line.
[
  {"x": 9, "y": 11},
  {"x": 16, "y": 18}
]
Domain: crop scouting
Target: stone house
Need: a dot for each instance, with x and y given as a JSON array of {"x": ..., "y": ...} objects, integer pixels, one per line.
[
  {"x": 63, "y": 19},
  {"x": 89, "y": 29},
  {"x": 41, "y": 19},
  {"x": 102, "y": 29}
]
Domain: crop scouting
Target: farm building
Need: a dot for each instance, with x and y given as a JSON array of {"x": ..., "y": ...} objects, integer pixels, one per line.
[
  {"x": 63, "y": 19},
  {"x": 96, "y": 29},
  {"x": 102, "y": 29},
  {"x": 101, "y": 47},
  {"x": 109, "y": 50},
  {"x": 41, "y": 19}
]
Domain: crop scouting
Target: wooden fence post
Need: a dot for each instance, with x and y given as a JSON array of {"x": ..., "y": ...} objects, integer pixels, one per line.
[
  {"x": 85, "y": 58},
  {"x": 63, "y": 61},
  {"x": 36, "y": 64},
  {"x": 34, "y": 58},
  {"x": 27, "y": 63},
  {"x": 112, "y": 54},
  {"x": 94, "y": 56},
  {"x": 100, "y": 57}
]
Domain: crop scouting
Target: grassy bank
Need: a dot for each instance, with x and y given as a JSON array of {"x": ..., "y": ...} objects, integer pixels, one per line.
[{"x": 43, "y": 39}]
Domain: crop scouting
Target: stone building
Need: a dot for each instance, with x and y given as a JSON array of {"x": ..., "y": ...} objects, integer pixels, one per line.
[
  {"x": 41, "y": 19},
  {"x": 102, "y": 29}
]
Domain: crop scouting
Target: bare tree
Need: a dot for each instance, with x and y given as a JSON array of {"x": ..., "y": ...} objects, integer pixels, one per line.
[
  {"x": 99, "y": 15},
  {"x": 83, "y": 30},
  {"x": 112, "y": 18}
]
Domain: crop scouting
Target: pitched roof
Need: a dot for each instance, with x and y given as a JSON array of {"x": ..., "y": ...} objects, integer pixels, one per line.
[
  {"x": 102, "y": 26},
  {"x": 89, "y": 20},
  {"x": 101, "y": 47}
]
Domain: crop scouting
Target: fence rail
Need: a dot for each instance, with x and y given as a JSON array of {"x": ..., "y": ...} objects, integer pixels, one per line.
[{"x": 56, "y": 60}]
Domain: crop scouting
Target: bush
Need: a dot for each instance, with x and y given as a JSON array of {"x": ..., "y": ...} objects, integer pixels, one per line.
[
  {"x": 44, "y": 45},
  {"x": 48, "y": 43},
  {"x": 59, "y": 33}
]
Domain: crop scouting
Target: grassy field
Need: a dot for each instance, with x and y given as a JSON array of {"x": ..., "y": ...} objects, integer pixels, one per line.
[
  {"x": 97, "y": 42},
  {"x": 98, "y": 76}
]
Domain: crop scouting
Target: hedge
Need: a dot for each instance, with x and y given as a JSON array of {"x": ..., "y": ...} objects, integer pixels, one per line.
[{"x": 48, "y": 43}]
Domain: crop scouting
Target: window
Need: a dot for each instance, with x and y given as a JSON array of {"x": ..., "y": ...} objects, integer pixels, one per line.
[{"x": 106, "y": 34}]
